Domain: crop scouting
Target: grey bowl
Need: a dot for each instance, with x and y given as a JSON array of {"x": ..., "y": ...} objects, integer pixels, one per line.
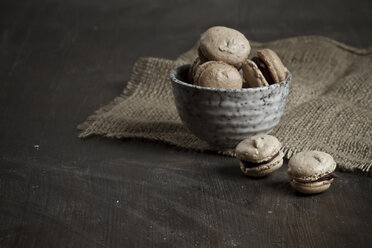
[{"x": 224, "y": 117}]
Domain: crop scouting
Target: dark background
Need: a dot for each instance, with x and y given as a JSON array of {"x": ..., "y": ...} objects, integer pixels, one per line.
[{"x": 61, "y": 60}]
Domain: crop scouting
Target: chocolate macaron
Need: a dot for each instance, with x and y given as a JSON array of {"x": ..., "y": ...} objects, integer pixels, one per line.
[
  {"x": 259, "y": 155},
  {"x": 311, "y": 172},
  {"x": 224, "y": 44},
  {"x": 217, "y": 74},
  {"x": 264, "y": 69},
  {"x": 253, "y": 75}
]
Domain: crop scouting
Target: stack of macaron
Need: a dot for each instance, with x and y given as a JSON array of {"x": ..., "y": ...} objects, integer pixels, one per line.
[
  {"x": 223, "y": 59},
  {"x": 309, "y": 172}
]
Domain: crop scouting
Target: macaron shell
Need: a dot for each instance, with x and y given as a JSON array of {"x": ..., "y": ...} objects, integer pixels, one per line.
[
  {"x": 252, "y": 75},
  {"x": 310, "y": 165},
  {"x": 220, "y": 75},
  {"x": 264, "y": 169},
  {"x": 201, "y": 69},
  {"x": 273, "y": 63},
  {"x": 311, "y": 188},
  {"x": 225, "y": 44},
  {"x": 258, "y": 148}
]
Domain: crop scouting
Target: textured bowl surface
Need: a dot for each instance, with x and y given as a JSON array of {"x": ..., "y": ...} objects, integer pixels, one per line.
[{"x": 224, "y": 117}]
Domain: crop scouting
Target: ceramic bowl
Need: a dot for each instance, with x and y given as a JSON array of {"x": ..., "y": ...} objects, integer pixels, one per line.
[{"x": 224, "y": 117}]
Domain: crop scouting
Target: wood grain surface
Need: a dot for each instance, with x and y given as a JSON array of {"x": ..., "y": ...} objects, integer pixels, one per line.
[{"x": 61, "y": 60}]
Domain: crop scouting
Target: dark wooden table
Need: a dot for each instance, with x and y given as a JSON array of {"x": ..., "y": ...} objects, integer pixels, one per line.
[{"x": 61, "y": 60}]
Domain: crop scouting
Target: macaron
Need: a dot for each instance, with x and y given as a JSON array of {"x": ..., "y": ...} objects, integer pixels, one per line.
[
  {"x": 253, "y": 75},
  {"x": 259, "y": 155},
  {"x": 264, "y": 69},
  {"x": 311, "y": 172},
  {"x": 217, "y": 74},
  {"x": 224, "y": 44},
  {"x": 273, "y": 63}
]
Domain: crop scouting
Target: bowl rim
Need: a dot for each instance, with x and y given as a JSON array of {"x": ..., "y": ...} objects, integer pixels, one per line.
[{"x": 174, "y": 71}]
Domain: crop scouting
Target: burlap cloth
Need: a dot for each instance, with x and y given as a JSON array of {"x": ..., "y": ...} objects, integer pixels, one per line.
[{"x": 329, "y": 106}]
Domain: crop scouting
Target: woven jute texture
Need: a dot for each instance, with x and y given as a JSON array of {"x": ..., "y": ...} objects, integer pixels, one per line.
[{"x": 329, "y": 107}]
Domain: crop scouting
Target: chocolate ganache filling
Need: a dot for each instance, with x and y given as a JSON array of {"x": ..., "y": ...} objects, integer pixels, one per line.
[
  {"x": 327, "y": 177},
  {"x": 323, "y": 178},
  {"x": 263, "y": 68},
  {"x": 248, "y": 164}
]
